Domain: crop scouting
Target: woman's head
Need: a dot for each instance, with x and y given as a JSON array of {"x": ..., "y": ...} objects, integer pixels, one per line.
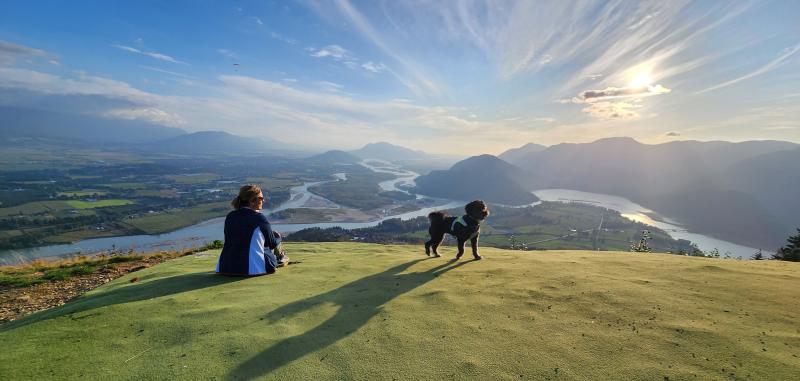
[{"x": 249, "y": 196}]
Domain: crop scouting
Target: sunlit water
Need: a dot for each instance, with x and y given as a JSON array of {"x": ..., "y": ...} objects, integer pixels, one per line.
[{"x": 638, "y": 213}]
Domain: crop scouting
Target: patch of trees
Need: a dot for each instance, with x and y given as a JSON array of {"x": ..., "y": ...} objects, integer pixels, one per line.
[
  {"x": 791, "y": 251},
  {"x": 392, "y": 230}
]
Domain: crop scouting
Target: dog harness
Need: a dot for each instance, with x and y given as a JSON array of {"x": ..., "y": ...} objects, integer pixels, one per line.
[
  {"x": 459, "y": 220},
  {"x": 472, "y": 230}
]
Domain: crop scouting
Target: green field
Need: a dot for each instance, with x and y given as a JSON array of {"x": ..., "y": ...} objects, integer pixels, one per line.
[
  {"x": 163, "y": 222},
  {"x": 80, "y": 204},
  {"x": 195, "y": 178},
  {"x": 83, "y": 193},
  {"x": 374, "y": 312},
  {"x": 36, "y": 207}
]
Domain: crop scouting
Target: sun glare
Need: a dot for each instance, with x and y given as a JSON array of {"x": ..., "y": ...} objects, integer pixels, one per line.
[{"x": 641, "y": 79}]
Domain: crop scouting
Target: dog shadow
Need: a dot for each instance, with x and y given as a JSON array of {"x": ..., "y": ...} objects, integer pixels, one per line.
[
  {"x": 128, "y": 293},
  {"x": 358, "y": 302}
]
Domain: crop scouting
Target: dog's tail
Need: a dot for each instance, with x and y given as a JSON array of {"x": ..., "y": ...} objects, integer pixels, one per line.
[{"x": 438, "y": 216}]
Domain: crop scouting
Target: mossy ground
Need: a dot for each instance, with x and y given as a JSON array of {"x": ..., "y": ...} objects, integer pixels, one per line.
[{"x": 361, "y": 311}]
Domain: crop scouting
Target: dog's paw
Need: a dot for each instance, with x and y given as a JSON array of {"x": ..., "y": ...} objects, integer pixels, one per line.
[
  {"x": 436, "y": 255},
  {"x": 478, "y": 257}
]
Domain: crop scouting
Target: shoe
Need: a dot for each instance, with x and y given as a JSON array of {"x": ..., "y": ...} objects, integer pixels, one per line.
[{"x": 283, "y": 260}]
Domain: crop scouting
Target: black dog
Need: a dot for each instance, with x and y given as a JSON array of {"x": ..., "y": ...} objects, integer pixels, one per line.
[{"x": 466, "y": 227}]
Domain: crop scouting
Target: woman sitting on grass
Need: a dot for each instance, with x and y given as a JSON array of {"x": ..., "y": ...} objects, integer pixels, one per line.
[{"x": 251, "y": 246}]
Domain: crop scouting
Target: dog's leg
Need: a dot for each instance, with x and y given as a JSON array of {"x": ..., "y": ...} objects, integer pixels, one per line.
[
  {"x": 474, "y": 241},
  {"x": 461, "y": 243},
  {"x": 436, "y": 240},
  {"x": 428, "y": 247}
]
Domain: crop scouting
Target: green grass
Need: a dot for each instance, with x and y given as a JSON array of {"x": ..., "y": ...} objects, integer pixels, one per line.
[
  {"x": 373, "y": 312},
  {"x": 80, "y": 204}
]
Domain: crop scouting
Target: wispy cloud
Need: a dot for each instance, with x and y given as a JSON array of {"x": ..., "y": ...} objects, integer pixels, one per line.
[
  {"x": 421, "y": 80},
  {"x": 589, "y": 96},
  {"x": 375, "y": 67},
  {"x": 616, "y": 103},
  {"x": 228, "y": 54},
  {"x": 10, "y": 52},
  {"x": 334, "y": 51},
  {"x": 257, "y": 20},
  {"x": 775, "y": 63},
  {"x": 156, "y": 55},
  {"x": 155, "y": 69},
  {"x": 283, "y": 38}
]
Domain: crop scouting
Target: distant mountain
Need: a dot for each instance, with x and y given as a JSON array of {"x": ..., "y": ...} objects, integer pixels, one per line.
[
  {"x": 75, "y": 128},
  {"x": 479, "y": 177},
  {"x": 388, "y": 152},
  {"x": 774, "y": 180},
  {"x": 515, "y": 154},
  {"x": 335, "y": 156},
  {"x": 208, "y": 142},
  {"x": 668, "y": 177}
]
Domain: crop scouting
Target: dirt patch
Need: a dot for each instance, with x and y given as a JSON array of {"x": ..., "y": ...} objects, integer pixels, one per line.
[{"x": 18, "y": 302}]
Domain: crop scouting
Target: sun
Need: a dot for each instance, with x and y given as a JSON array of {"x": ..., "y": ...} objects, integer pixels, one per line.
[{"x": 641, "y": 79}]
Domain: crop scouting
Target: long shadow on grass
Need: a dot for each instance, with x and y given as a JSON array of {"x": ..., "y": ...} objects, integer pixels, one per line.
[
  {"x": 125, "y": 294},
  {"x": 358, "y": 302}
]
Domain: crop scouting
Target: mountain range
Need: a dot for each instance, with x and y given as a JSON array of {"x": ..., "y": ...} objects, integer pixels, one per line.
[{"x": 742, "y": 192}]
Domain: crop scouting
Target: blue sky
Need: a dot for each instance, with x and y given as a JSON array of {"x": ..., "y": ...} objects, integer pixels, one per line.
[{"x": 450, "y": 76}]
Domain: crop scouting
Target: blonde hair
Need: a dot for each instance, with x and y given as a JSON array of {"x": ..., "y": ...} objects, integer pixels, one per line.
[{"x": 246, "y": 194}]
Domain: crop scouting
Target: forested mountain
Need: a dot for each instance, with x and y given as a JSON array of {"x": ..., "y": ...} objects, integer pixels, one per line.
[{"x": 479, "y": 177}]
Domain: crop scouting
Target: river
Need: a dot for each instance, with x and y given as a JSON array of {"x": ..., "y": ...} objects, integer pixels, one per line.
[
  {"x": 197, "y": 235},
  {"x": 638, "y": 213}
]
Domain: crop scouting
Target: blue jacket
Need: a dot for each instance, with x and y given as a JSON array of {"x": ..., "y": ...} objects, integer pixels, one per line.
[{"x": 249, "y": 242}]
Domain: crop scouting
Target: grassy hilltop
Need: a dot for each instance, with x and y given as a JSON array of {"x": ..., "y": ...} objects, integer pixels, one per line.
[{"x": 360, "y": 311}]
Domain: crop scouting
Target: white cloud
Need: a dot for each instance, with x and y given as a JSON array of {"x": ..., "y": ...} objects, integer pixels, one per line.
[
  {"x": 283, "y": 38},
  {"x": 10, "y": 52},
  {"x": 334, "y": 51},
  {"x": 374, "y": 67},
  {"x": 156, "y": 55},
  {"x": 228, "y": 54},
  {"x": 257, "y": 20},
  {"x": 623, "y": 110},
  {"x": 590, "y": 96},
  {"x": 150, "y": 114},
  {"x": 330, "y": 86}
]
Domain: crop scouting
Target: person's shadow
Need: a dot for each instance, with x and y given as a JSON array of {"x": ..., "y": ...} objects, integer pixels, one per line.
[
  {"x": 358, "y": 302},
  {"x": 128, "y": 293}
]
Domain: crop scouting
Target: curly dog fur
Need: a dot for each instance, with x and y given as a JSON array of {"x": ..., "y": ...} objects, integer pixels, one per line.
[{"x": 464, "y": 228}]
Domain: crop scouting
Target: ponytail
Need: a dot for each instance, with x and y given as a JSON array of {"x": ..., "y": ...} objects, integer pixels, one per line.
[{"x": 246, "y": 194}]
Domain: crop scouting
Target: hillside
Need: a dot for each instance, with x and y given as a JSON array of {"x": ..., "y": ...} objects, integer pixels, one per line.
[
  {"x": 515, "y": 154},
  {"x": 333, "y": 157},
  {"x": 667, "y": 177},
  {"x": 389, "y": 152},
  {"x": 357, "y": 311},
  {"x": 205, "y": 142},
  {"x": 479, "y": 177}
]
